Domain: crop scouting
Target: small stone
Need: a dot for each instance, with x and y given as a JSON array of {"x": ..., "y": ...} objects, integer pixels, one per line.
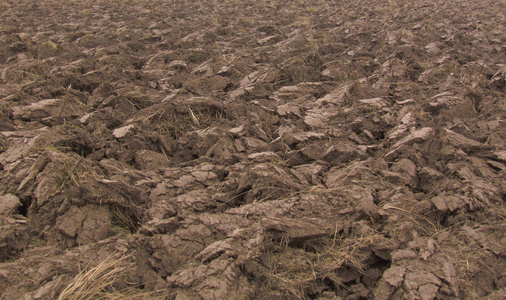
[
  {"x": 237, "y": 131},
  {"x": 85, "y": 117},
  {"x": 122, "y": 131}
]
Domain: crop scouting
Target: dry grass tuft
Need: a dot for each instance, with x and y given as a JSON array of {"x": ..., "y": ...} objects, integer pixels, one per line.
[
  {"x": 294, "y": 270},
  {"x": 177, "y": 124},
  {"x": 122, "y": 218},
  {"x": 424, "y": 224},
  {"x": 107, "y": 280}
]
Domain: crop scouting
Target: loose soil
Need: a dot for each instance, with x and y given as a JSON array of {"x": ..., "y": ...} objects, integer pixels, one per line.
[{"x": 159, "y": 149}]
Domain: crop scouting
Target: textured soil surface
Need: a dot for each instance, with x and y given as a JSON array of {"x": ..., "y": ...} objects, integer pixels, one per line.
[{"x": 157, "y": 149}]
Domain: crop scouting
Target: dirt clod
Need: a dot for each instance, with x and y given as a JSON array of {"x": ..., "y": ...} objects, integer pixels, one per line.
[{"x": 252, "y": 149}]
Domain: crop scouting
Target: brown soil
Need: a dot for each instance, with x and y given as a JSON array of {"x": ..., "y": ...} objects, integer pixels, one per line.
[{"x": 271, "y": 149}]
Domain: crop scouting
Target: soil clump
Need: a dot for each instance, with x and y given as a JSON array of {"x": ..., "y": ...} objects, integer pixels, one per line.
[{"x": 252, "y": 149}]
